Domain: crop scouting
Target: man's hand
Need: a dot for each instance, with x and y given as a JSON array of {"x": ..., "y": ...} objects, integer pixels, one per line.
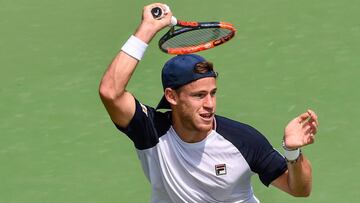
[
  {"x": 149, "y": 25},
  {"x": 301, "y": 130}
]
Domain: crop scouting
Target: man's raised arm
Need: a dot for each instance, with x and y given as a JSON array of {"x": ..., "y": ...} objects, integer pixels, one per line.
[{"x": 119, "y": 103}]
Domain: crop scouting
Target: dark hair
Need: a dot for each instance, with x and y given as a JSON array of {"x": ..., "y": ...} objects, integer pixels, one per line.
[
  {"x": 204, "y": 67},
  {"x": 200, "y": 68}
]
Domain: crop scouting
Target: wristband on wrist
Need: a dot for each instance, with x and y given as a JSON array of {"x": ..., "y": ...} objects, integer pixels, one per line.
[
  {"x": 291, "y": 155},
  {"x": 134, "y": 47}
]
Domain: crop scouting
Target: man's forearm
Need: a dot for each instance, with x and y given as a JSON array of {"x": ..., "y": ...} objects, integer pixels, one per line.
[
  {"x": 117, "y": 75},
  {"x": 118, "y": 102},
  {"x": 300, "y": 177},
  {"x": 123, "y": 65}
]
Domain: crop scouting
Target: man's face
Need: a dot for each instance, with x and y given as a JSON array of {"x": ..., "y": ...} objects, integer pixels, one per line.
[{"x": 196, "y": 104}]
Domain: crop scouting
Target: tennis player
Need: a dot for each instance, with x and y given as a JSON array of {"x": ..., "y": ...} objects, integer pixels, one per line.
[{"x": 190, "y": 154}]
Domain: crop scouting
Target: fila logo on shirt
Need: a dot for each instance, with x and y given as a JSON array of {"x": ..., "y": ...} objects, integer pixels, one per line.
[
  {"x": 220, "y": 169},
  {"x": 144, "y": 109}
]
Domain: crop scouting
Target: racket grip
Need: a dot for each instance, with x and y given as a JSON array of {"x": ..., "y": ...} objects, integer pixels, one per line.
[
  {"x": 173, "y": 21},
  {"x": 158, "y": 13}
]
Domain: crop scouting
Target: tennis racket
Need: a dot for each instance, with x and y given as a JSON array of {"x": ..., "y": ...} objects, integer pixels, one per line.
[{"x": 188, "y": 37}]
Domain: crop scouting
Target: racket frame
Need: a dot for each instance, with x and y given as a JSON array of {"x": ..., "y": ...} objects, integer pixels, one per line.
[{"x": 186, "y": 26}]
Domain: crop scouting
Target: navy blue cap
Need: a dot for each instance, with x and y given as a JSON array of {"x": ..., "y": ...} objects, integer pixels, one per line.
[{"x": 179, "y": 71}]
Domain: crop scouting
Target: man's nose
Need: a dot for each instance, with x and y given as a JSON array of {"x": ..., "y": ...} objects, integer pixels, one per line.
[{"x": 209, "y": 101}]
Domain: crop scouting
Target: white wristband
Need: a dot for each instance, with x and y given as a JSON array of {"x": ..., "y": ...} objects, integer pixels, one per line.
[
  {"x": 291, "y": 155},
  {"x": 134, "y": 47}
]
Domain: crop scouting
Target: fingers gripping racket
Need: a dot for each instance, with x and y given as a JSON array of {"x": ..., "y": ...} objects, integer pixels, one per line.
[{"x": 189, "y": 37}]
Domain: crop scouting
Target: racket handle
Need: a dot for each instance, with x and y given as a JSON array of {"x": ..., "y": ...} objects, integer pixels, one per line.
[
  {"x": 173, "y": 21},
  {"x": 158, "y": 13}
]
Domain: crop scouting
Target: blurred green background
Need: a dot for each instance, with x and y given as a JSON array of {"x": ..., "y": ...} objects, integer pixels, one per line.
[{"x": 57, "y": 143}]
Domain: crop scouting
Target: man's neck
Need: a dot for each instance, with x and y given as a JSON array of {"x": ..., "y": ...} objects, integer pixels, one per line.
[{"x": 188, "y": 134}]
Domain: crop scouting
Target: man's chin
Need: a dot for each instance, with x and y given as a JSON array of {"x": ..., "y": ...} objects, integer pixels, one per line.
[{"x": 205, "y": 127}]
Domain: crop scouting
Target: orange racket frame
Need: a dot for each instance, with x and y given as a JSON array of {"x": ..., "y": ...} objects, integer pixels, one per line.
[{"x": 191, "y": 26}]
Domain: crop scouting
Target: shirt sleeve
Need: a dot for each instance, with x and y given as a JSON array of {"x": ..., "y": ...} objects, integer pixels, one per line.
[
  {"x": 141, "y": 129},
  {"x": 266, "y": 161},
  {"x": 262, "y": 158}
]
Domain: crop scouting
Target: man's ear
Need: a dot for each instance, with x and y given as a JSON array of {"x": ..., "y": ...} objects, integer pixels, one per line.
[{"x": 171, "y": 96}]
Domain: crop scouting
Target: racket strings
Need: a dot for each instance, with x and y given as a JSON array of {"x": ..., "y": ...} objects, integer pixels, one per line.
[{"x": 195, "y": 37}]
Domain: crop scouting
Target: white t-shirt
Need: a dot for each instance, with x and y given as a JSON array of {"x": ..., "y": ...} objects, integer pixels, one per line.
[{"x": 217, "y": 169}]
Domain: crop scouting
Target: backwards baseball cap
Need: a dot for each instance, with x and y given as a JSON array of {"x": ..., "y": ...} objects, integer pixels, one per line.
[{"x": 179, "y": 71}]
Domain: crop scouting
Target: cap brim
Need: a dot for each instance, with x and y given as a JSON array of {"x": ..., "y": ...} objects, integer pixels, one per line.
[{"x": 163, "y": 104}]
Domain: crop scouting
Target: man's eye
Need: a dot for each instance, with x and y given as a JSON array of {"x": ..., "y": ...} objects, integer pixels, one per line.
[{"x": 199, "y": 95}]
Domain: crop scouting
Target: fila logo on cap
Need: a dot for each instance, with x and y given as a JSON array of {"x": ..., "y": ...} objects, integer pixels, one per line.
[{"x": 220, "y": 169}]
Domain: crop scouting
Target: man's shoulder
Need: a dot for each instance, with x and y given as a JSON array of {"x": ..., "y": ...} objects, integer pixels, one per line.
[
  {"x": 161, "y": 120},
  {"x": 239, "y": 133},
  {"x": 224, "y": 123},
  {"x": 146, "y": 126}
]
